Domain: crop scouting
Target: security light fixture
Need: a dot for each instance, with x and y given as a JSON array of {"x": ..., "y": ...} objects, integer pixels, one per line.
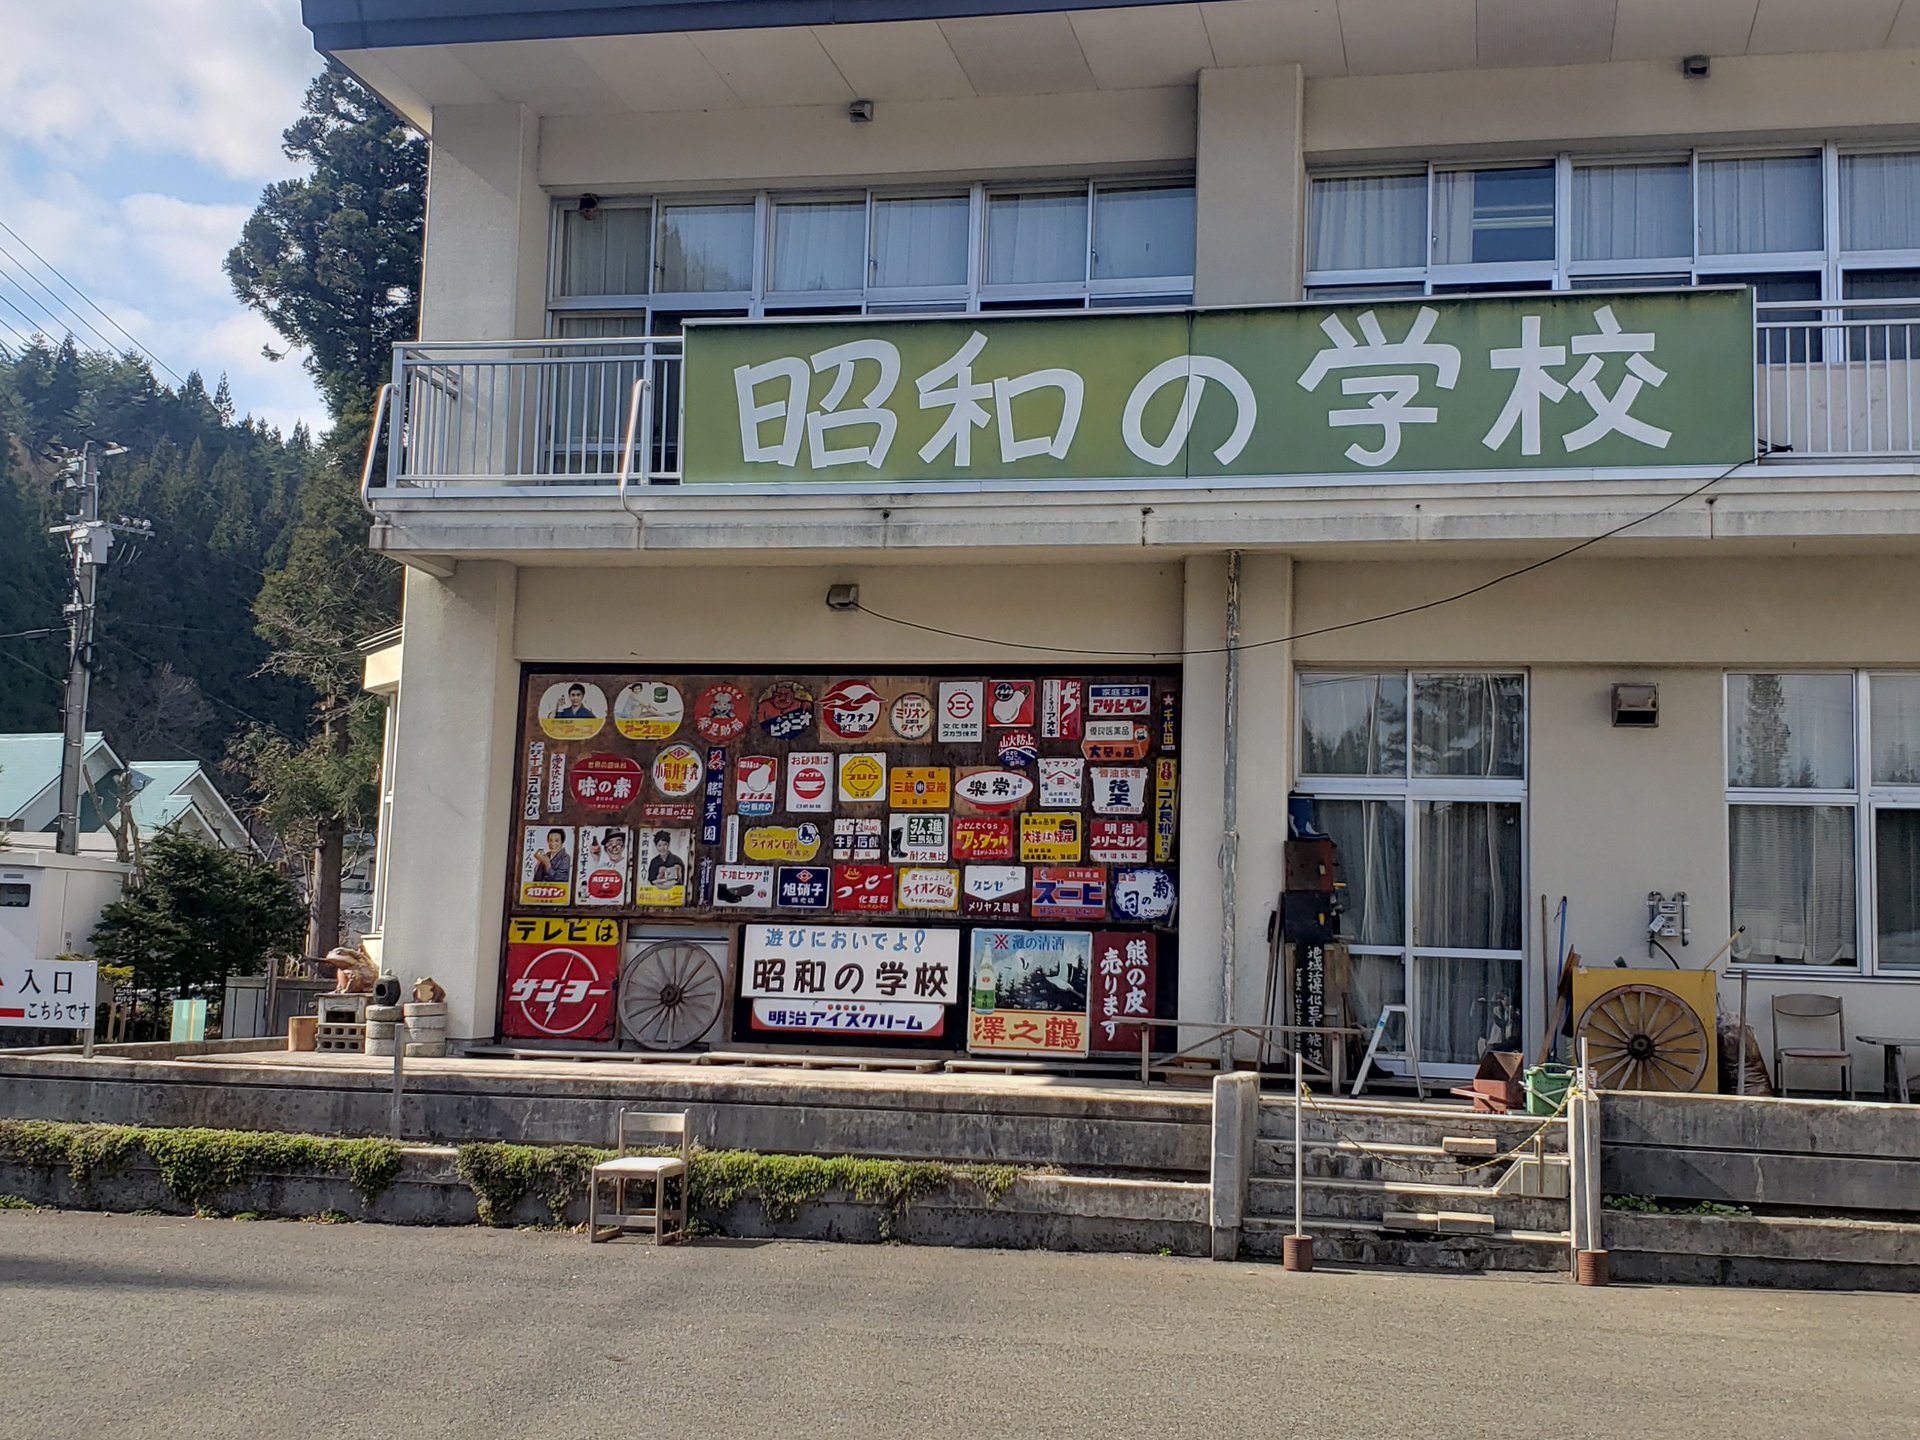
[
  {"x": 589, "y": 206},
  {"x": 1696, "y": 67},
  {"x": 860, "y": 111},
  {"x": 843, "y": 597}
]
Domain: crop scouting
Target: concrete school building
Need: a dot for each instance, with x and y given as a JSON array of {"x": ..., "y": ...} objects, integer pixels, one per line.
[{"x": 1302, "y": 330}]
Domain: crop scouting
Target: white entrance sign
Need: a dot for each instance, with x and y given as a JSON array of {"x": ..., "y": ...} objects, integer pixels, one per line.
[{"x": 48, "y": 994}]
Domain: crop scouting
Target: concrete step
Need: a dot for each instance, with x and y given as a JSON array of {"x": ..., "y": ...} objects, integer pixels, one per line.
[
  {"x": 1430, "y": 1125},
  {"x": 1360, "y": 1243},
  {"x": 1372, "y": 1200},
  {"x": 1349, "y": 1160}
]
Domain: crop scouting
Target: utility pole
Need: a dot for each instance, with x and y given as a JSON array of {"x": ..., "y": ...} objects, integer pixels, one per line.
[{"x": 89, "y": 543}]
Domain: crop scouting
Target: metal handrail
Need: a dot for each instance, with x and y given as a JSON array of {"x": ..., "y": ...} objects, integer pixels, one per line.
[
  {"x": 641, "y": 387},
  {"x": 1213, "y": 1032},
  {"x": 373, "y": 445}
]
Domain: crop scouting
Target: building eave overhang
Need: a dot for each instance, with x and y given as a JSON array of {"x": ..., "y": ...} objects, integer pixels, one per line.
[{"x": 345, "y": 25}]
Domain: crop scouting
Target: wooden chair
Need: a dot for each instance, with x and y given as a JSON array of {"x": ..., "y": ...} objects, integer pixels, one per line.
[
  {"x": 626, "y": 1168},
  {"x": 1812, "y": 1009}
]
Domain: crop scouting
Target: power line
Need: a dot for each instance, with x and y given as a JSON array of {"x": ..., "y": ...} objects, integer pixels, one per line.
[
  {"x": 31, "y": 634},
  {"x": 29, "y": 665},
  {"x": 91, "y": 303},
  {"x": 208, "y": 695},
  {"x": 1323, "y": 629},
  {"x": 33, "y": 325},
  {"x": 66, "y": 308},
  {"x": 51, "y": 322}
]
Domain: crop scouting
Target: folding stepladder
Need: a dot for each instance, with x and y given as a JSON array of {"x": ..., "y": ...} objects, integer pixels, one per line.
[{"x": 1410, "y": 1052}]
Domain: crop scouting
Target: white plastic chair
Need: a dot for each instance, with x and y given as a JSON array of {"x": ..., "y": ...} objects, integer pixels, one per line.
[{"x": 625, "y": 1168}]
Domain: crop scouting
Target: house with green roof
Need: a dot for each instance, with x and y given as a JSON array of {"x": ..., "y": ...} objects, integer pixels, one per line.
[{"x": 157, "y": 794}]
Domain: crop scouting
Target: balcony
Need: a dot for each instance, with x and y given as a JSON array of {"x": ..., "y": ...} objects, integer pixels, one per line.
[
  {"x": 1836, "y": 382},
  {"x": 551, "y": 413}
]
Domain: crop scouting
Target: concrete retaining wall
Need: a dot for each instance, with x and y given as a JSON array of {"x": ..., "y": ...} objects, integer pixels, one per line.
[
  {"x": 1806, "y": 1154},
  {"x": 1050, "y": 1212},
  {"x": 1073, "y": 1127},
  {"x": 1734, "y": 1250}
]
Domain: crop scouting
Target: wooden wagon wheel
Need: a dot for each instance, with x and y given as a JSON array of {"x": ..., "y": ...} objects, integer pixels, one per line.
[
  {"x": 670, "y": 995},
  {"x": 1640, "y": 1037}
]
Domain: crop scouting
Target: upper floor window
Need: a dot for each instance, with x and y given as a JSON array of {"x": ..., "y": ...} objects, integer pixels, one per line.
[
  {"x": 1055, "y": 245},
  {"x": 1817, "y": 224}
]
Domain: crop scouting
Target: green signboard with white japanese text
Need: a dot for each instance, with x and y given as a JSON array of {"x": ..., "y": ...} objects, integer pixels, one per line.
[{"x": 1521, "y": 382}]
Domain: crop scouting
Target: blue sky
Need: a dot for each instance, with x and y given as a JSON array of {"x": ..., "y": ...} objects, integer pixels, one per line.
[{"x": 134, "y": 141}]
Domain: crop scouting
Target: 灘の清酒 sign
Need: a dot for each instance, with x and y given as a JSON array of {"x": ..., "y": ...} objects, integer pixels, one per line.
[{"x": 1534, "y": 381}]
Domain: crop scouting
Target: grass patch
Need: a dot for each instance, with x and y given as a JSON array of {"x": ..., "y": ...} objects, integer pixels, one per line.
[
  {"x": 503, "y": 1175},
  {"x": 18, "y": 1202},
  {"x": 195, "y": 1165},
  {"x": 199, "y": 1166},
  {"x": 1648, "y": 1205}
]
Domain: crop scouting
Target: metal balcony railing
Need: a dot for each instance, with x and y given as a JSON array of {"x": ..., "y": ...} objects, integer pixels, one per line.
[
  {"x": 535, "y": 412},
  {"x": 1837, "y": 381},
  {"x": 1832, "y": 381}
]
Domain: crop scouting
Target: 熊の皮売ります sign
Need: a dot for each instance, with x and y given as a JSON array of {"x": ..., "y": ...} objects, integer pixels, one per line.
[{"x": 1499, "y": 383}]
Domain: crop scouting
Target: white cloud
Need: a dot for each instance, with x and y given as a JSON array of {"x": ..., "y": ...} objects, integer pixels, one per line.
[
  {"x": 154, "y": 263},
  {"x": 213, "y": 80}
]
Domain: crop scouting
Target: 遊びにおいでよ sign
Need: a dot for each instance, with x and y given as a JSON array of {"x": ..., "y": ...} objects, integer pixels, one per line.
[{"x": 1535, "y": 381}]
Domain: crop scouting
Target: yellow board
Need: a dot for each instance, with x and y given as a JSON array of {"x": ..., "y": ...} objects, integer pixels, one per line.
[{"x": 1648, "y": 1029}]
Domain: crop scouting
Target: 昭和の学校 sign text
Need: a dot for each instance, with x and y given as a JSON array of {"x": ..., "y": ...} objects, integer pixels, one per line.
[{"x": 1516, "y": 382}]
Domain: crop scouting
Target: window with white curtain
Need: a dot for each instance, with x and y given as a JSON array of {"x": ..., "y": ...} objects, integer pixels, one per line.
[
  {"x": 606, "y": 251},
  {"x": 1826, "y": 224},
  {"x": 1420, "y": 780},
  {"x": 1823, "y": 810},
  {"x": 1790, "y": 732},
  {"x": 920, "y": 241},
  {"x": 1880, "y": 202},
  {"x": 1760, "y": 204},
  {"x": 1057, "y": 245},
  {"x": 818, "y": 245},
  {"x": 1634, "y": 211},
  {"x": 1368, "y": 222},
  {"x": 1037, "y": 237}
]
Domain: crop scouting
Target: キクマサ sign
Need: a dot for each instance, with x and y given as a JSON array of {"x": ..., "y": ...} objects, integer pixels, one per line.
[{"x": 1530, "y": 382}]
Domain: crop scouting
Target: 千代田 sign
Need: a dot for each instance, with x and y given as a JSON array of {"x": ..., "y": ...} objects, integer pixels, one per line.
[{"x": 1536, "y": 381}]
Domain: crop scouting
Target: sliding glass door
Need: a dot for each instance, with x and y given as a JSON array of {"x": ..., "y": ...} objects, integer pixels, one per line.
[{"x": 1420, "y": 778}]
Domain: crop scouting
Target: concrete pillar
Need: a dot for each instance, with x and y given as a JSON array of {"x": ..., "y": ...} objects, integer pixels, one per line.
[
  {"x": 1266, "y": 767},
  {"x": 1236, "y": 1136},
  {"x": 1202, "y": 771},
  {"x": 488, "y": 224},
  {"x": 453, "y": 770},
  {"x": 1264, "y": 729},
  {"x": 1250, "y": 186}
]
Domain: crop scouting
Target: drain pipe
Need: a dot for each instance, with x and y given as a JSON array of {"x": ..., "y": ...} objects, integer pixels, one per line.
[{"x": 1230, "y": 809}]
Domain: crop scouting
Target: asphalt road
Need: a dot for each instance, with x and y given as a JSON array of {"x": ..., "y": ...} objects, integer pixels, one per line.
[{"x": 131, "y": 1326}]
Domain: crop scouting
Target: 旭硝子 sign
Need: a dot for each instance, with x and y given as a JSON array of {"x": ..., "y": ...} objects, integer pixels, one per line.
[{"x": 1534, "y": 381}]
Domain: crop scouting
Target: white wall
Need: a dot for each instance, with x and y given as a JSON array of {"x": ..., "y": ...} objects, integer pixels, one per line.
[
  {"x": 487, "y": 226},
  {"x": 1249, "y": 186},
  {"x": 1613, "y": 813},
  {"x": 453, "y": 759},
  {"x": 1616, "y": 813},
  {"x": 777, "y": 615},
  {"x": 1646, "y": 103},
  {"x": 800, "y": 145}
]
